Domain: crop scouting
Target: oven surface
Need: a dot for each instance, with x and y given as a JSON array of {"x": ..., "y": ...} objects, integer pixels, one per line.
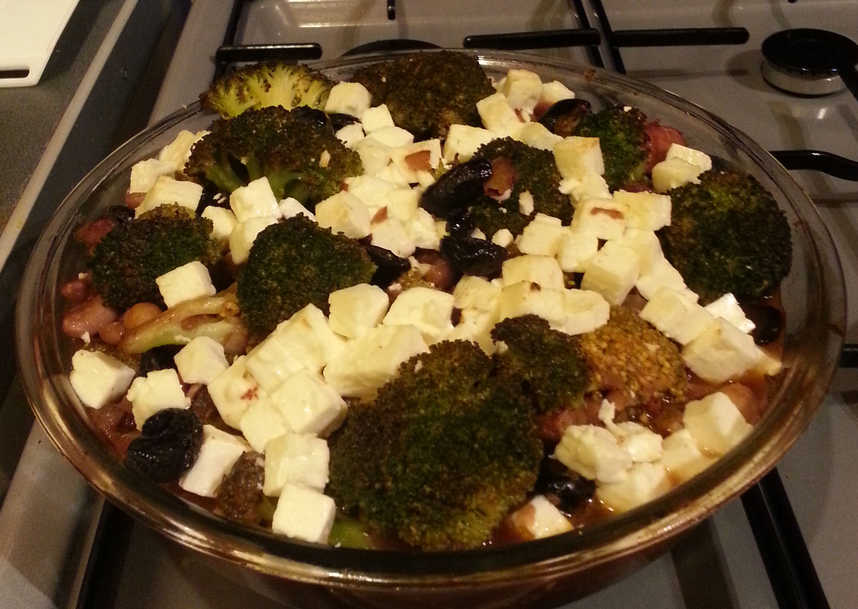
[{"x": 790, "y": 542}]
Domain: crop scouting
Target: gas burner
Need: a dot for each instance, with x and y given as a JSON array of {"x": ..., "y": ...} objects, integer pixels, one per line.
[
  {"x": 810, "y": 62},
  {"x": 392, "y": 44}
]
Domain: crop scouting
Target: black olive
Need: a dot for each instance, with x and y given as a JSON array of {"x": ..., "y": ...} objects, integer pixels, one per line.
[
  {"x": 158, "y": 358},
  {"x": 563, "y": 117},
  {"x": 120, "y": 213},
  {"x": 473, "y": 256},
  {"x": 341, "y": 120},
  {"x": 168, "y": 445},
  {"x": 768, "y": 322},
  {"x": 390, "y": 266},
  {"x": 457, "y": 189},
  {"x": 311, "y": 115},
  {"x": 570, "y": 489},
  {"x": 460, "y": 223}
]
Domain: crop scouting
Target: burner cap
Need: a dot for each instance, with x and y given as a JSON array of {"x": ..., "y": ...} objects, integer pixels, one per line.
[{"x": 809, "y": 52}]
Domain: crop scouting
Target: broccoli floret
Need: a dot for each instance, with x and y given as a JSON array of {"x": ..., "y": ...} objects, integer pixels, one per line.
[
  {"x": 295, "y": 149},
  {"x": 441, "y": 455},
  {"x": 521, "y": 168},
  {"x": 629, "y": 356},
  {"x": 127, "y": 260},
  {"x": 292, "y": 264},
  {"x": 727, "y": 234},
  {"x": 216, "y": 317},
  {"x": 266, "y": 84},
  {"x": 623, "y": 140},
  {"x": 542, "y": 363},
  {"x": 428, "y": 92}
]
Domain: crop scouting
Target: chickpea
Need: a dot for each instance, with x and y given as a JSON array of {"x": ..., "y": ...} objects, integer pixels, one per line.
[{"x": 139, "y": 314}]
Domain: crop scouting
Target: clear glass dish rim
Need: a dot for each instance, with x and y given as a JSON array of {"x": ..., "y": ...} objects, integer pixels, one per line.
[{"x": 551, "y": 557}]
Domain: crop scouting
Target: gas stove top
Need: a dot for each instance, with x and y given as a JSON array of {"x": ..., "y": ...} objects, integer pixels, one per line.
[{"x": 790, "y": 542}]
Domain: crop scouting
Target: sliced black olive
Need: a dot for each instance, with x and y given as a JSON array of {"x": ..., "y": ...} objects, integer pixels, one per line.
[
  {"x": 460, "y": 223},
  {"x": 457, "y": 189},
  {"x": 311, "y": 115},
  {"x": 569, "y": 489},
  {"x": 768, "y": 322},
  {"x": 158, "y": 358},
  {"x": 390, "y": 266},
  {"x": 474, "y": 256},
  {"x": 338, "y": 121},
  {"x": 168, "y": 445},
  {"x": 563, "y": 117}
]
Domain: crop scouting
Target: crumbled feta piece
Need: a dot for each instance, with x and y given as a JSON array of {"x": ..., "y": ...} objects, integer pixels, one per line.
[
  {"x": 662, "y": 274},
  {"x": 402, "y": 204},
  {"x": 427, "y": 309},
  {"x": 690, "y": 155},
  {"x": 476, "y": 326},
  {"x": 200, "y": 360},
  {"x": 463, "y": 141},
  {"x": 583, "y": 311},
  {"x": 682, "y": 457},
  {"x": 642, "y": 444},
  {"x": 586, "y": 186},
  {"x": 646, "y": 245},
  {"x": 715, "y": 423},
  {"x": 536, "y": 135},
  {"x": 344, "y": 213},
  {"x": 578, "y": 156},
  {"x": 553, "y": 92},
  {"x": 539, "y": 518},
  {"x": 178, "y": 151},
  {"x": 261, "y": 423},
  {"x": 525, "y": 203},
  {"x": 307, "y": 404},
  {"x": 290, "y": 208},
  {"x": 374, "y": 155},
  {"x": 594, "y": 453},
  {"x": 542, "y": 270},
  {"x": 145, "y": 173},
  {"x": 419, "y": 156},
  {"x": 350, "y": 98},
  {"x": 422, "y": 230},
  {"x": 372, "y": 191},
  {"x": 256, "y": 200},
  {"x": 522, "y": 89},
  {"x": 645, "y": 210},
  {"x": 357, "y": 309},
  {"x": 223, "y": 221},
  {"x": 676, "y": 316},
  {"x": 575, "y": 250},
  {"x": 612, "y": 272},
  {"x": 304, "y": 514},
  {"x": 472, "y": 292},
  {"x": 672, "y": 173},
  {"x": 158, "y": 390},
  {"x": 721, "y": 352},
  {"x": 350, "y": 135},
  {"x": 503, "y": 237},
  {"x": 234, "y": 390},
  {"x": 540, "y": 237},
  {"x": 98, "y": 378},
  {"x": 244, "y": 234},
  {"x": 497, "y": 115},
  {"x": 167, "y": 191},
  {"x": 218, "y": 453},
  {"x": 392, "y": 137},
  {"x": 185, "y": 282},
  {"x": 295, "y": 458},
  {"x": 390, "y": 234},
  {"x": 642, "y": 483},
  {"x": 604, "y": 218},
  {"x": 727, "y": 307},
  {"x": 368, "y": 362},
  {"x": 526, "y": 298},
  {"x": 376, "y": 118}
]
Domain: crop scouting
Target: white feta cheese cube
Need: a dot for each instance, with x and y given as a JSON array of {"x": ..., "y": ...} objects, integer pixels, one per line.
[
  {"x": 682, "y": 457},
  {"x": 604, "y": 218},
  {"x": 644, "y": 482},
  {"x": 368, "y": 362},
  {"x": 393, "y": 174},
  {"x": 662, "y": 274},
  {"x": 578, "y": 156},
  {"x": 295, "y": 458},
  {"x": 503, "y": 237},
  {"x": 178, "y": 151},
  {"x": 372, "y": 191},
  {"x": 646, "y": 245},
  {"x": 526, "y": 298},
  {"x": 261, "y": 423},
  {"x": 167, "y": 191},
  {"x": 642, "y": 444},
  {"x": 672, "y": 173},
  {"x": 158, "y": 390},
  {"x": 392, "y": 137},
  {"x": 244, "y": 234},
  {"x": 676, "y": 316},
  {"x": 721, "y": 352},
  {"x": 234, "y": 390},
  {"x": 586, "y": 186},
  {"x": 186, "y": 282},
  {"x": 546, "y": 219},
  {"x": 553, "y": 92},
  {"x": 427, "y": 309},
  {"x": 376, "y": 118},
  {"x": 583, "y": 311},
  {"x": 463, "y": 141},
  {"x": 416, "y": 157},
  {"x": 390, "y": 234},
  {"x": 200, "y": 360},
  {"x": 350, "y": 135},
  {"x": 98, "y": 378},
  {"x": 308, "y": 329},
  {"x": 357, "y": 309},
  {"x": 594, "y": 453},
  {"x": 526, "y": 203},
  {"x": 145, "y": 173},
  {"x": 223, "y": 221},
  {"x": 690, "y": 155},
  {"x": 536, "y": 135},
  {"x": 304, "y": 514},
  {"x": 472, "y": 292},
  {"x": 645, "y": 210},
  {"x": 256, "y": 200},
  {"x": 475, "y": 326},
  {"x": 273, "y": 360},
  {"x": 218, "y": 453},
  {"x": 612, "y": 272},
  {"x": 374, "y": 155},
  {"x": 497, "y": 115},
  {"x": 727, "y": 307},
  {"x": 290, "y": 208},
  {"x": 522, "y": 89},
  {"x": 575, "y": 250},
  {"x": 402, "y": 204},
  {"x": 539, "y": 518},
  {"x": 541, "y": 238},
  {"x": 350, "y": 98},
  {"x": 715, "y": 423},
  {"x": 344, "y": 213},
  {"x": 422, "y": 231},
  {"x": 308, "y": 405},
  {"x": 542, "y": 270}
]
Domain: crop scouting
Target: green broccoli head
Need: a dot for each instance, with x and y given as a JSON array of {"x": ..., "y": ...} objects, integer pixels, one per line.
[
  {"x": 727, "y": 234},
  {"x": 295, "y": 263},
  {"x": 428, "y": 92},
  {"x": 441, "y": 455},
  {"x": 521, "y": 168},
  {"x": 624, "y": 143},
  {"x": 266, "y": 84},
  {"x": 127, "y": 260},
  {"x": 544, "y": 364},
  {"x": 296, "y": 150}
]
